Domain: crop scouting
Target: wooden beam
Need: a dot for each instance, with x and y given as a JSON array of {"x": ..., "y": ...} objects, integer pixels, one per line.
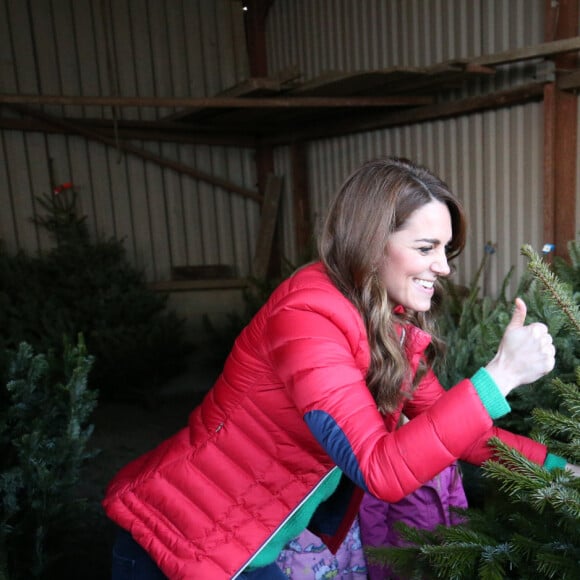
[
  {"x": 252, "y": 87},
  {"x": 142, "y": 153},
  {"x": 301, "y": 200},
  {"x": 560, "y": 134},
  {"x": 268, "y": 221},
  {"x": 126, "y": 130},
  {"x": 546, "y": 49},
  {"x": 514, "y": 96},
  {"x": 255, "y": 13},
  {"x": 560, "y": 143},
  {"x": 216, "y": 102},
  {"x": 569, "y": 81},
  {"x": 264, "y": 170}
]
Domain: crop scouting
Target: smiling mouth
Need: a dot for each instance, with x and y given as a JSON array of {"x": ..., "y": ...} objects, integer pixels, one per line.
[{"x": 425, "y": 283}]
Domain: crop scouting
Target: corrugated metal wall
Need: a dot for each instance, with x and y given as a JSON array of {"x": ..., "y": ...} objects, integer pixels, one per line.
[
  {"x": 493, "y": 160},
  {"x": 196, "y": 48},
  {"x": 146, "y": 48}
]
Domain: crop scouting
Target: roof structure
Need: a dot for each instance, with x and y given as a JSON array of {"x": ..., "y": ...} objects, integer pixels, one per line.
[{"x": 284, "y": 109}]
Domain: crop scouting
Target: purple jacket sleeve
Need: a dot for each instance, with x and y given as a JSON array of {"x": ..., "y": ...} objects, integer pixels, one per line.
[
  {"x": 426, "y": 508},
  {"x": 457, "y": 496},
  {"x": 374, "y": 530}
]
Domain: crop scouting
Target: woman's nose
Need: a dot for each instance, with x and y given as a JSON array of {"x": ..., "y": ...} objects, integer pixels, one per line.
[{"x": 440, "y": 266}]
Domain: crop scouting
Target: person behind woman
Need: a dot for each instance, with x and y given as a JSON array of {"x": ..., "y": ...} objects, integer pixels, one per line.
[
  {"x": 301, "y": 421},
  {"x": 306, "y": 557},
  {"x": 427, "y": 507}
]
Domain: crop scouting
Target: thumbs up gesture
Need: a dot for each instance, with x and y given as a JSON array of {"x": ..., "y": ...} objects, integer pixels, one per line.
[{"x": 525, "y": 353}]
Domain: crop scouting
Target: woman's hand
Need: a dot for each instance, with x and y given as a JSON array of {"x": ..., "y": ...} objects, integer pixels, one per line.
[{"x": 525, "y": 353}]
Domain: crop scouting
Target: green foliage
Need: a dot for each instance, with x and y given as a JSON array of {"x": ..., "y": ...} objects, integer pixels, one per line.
[
  {"x": 563, "y": 286},
  {"x": 569, "y": 272},
  {"x": 44, "y": 409},
  {"x": 90, "y": 288},
  {"x": 531, "y": 529}
]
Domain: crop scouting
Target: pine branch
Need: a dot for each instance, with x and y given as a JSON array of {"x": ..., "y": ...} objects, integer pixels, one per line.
[
  {"x": 493, "y": 561},
  {"x": 561, "y": 431},
  {"x": 574, "y": 251},
  {"x": 555, "y": 424},
  {"x": 455, "y": 560},
  {"x": 558, "y": 292},
  {"x": 558, "y": 562},
  {"x": 527, "y": 482},
  {"x": 570, "y": 396}
]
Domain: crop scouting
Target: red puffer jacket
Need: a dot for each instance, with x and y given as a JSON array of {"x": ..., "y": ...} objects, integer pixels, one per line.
[{"x": 290, "y": 405}]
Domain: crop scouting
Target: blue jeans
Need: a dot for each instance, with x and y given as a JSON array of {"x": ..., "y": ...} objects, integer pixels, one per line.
[{"x": 132, "y": 562}]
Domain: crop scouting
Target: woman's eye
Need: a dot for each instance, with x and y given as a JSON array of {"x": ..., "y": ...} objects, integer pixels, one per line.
[{"x": 425, "y": 249}]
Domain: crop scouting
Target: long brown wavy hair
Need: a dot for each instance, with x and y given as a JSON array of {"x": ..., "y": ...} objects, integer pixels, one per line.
[{"x": 375, "y": 201}]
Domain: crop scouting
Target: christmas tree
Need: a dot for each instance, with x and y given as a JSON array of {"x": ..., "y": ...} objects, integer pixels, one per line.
[
  {"x": 88, "y": 286},
  {"x": 529, "y": 524},
  {"x": 45, "y": 407}
]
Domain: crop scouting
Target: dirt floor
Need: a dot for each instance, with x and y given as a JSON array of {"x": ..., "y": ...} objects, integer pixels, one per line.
[{"x": 122, "y": 432}]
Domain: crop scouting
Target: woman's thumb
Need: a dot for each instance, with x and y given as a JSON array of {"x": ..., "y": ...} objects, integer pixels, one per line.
[{"x": 519, "y": 315}]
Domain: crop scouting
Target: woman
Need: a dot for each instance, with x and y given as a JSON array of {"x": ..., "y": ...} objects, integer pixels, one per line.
[{"x": 301, "y": 422}]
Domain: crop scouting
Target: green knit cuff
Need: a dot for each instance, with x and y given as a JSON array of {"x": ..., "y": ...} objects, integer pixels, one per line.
[
  {"x": 490, "y": 395},
  {"x": 554, "y": 462}
]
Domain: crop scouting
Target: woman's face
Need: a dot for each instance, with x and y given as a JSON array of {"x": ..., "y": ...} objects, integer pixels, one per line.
[{"x": 415, "y": 257}]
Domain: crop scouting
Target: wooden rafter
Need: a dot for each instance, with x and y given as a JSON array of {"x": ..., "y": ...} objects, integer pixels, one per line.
[
  {"x": 142, "y": 153},
  {"x": 544, "y": 50},
  {"x": 136, "y": 130},
  {"x": 218, "y": 102},
  {"x": 517, "y": 95}
]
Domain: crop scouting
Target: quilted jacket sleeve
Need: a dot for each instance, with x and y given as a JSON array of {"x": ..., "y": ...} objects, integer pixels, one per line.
[
  {"x": 479, "y": 451},
  {"x": 315, "y": 351}
]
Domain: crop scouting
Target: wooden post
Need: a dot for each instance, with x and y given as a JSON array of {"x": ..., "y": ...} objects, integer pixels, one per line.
[
  {"x": 301, "y": 201},
  {"x": 560, "y": 134},
  {"x": 268, "y": 221},
  {"x": 256, "y": 13}
]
